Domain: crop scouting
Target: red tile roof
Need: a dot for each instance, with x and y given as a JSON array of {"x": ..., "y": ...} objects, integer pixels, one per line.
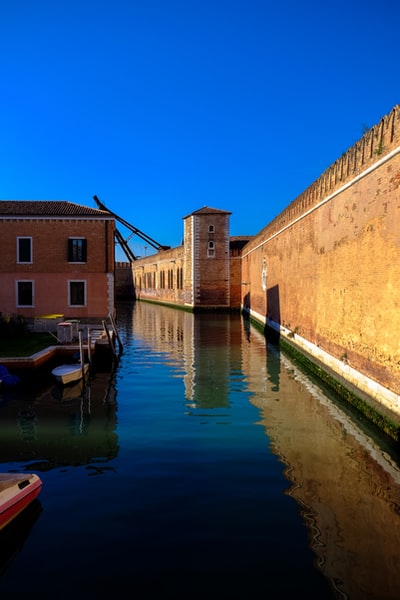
[
  {"x": 206, "y": 210},
  {"x": 48, "y": 208},
  {"x": 238, "y": 241}
]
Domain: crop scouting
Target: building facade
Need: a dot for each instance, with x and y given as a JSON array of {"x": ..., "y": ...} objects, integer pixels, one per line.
[
  {"x": 57, "y": 258},
  {"x": 202, "y": 274},
  {"x": 323, "y": 274}
]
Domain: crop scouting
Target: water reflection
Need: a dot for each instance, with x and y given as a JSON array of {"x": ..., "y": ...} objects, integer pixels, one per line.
[
  {"x": 13, "y": 537},
  {"x": 222, "y": 458},
  {"x": 203, "y": 348},
  {"x": 60, "y": 426},
  {"x": 346, "y": 485}
]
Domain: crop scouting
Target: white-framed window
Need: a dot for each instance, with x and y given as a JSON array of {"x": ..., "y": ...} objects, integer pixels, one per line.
[
  {"x": 25, "y": 289},
  {"x": 211, "y": 229},
  {"x": 24, "y": 250},
  {"x": 77, "y": 293},
  {"x": 211, "y": 249},
  {"x": 77, "y": 250}
]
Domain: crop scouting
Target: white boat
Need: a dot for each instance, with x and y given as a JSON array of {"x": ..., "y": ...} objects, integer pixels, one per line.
[
  {"x": 17, "y": 490},
  {"x": 66, "y": 374},
  {"x": 71, "y": 372}
]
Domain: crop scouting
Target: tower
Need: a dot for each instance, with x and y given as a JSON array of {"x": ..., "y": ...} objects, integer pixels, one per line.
[{"x": 206, "y": 258}]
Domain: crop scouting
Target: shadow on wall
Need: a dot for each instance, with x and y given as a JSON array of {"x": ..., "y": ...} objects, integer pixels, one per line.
[
  {"x": 273, "y": 370},
  {"x": 273, "y": 309},
  {"x": 273, "y": 305},
  {"x": 246, "y": 302}
]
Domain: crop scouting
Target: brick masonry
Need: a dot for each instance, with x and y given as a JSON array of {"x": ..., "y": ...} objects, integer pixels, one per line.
[
  {"x": 325, "y": 273},
  {"x": 51, "y": 270},
  {"x": 331, "y": 262}
]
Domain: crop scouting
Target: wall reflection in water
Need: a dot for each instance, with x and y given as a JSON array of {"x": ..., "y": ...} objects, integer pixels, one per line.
[{"x": 346, "y": 484}]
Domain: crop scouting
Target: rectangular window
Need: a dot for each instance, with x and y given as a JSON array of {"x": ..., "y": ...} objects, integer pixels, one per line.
[
  {"x": 24, "y": 293},
  {"x": 179, "y": 278},
  {"x": 77, "y": 250},
  {"x": 24, "y": 250},
  {"x": 77, "y": 293}
]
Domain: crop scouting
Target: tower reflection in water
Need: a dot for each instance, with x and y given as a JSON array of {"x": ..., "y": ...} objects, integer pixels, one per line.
[
  {"x": 344, "y": 478},
  {"x": 217, "y": 457}
]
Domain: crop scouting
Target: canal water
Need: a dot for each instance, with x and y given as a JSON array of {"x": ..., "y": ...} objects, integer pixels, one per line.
[{"x": 205, "y": 465}]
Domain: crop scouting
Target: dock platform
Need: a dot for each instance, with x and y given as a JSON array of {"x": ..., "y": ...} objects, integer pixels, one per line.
[{"x": 96, "y": 342}]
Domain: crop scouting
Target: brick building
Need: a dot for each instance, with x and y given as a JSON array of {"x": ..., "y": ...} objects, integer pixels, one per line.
[
  {"x": 323, "y": 274},
  {"x": 202, "y": 274},
  {"x": 56, "y": 258}
]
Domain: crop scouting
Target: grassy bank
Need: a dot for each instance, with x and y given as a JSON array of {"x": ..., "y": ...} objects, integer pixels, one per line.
[{"x": 24, "y": 344}]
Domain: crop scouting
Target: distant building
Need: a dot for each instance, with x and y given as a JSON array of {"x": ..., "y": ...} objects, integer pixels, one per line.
[{"x": 202, "y": 274}]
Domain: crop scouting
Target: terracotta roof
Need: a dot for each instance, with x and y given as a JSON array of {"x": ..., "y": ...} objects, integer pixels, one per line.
[
  {"x": 239, "y": 241},
  {"x": 206, "y": 210},
  {"x": 48, "y": 208}
]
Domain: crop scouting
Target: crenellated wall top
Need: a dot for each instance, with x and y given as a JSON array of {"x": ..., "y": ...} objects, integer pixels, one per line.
[{"x": 379, "y": 141}]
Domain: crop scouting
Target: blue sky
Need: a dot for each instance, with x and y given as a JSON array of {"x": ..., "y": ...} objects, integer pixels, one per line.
[{"x": 162, "y": 107}]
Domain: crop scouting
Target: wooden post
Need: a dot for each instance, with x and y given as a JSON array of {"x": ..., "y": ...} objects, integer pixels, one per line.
[
  {"x": 81, "y": 355},
  {"x": 115, "y": 331},
  {"x": 89, "y": 342},
  {"x": 109, "y": 337}
]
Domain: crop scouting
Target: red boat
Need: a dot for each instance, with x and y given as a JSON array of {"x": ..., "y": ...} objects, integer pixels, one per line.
[{"x": 17, "y": 490}]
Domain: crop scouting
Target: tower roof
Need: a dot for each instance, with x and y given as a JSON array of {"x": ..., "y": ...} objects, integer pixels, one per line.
[{"x": 206, "y": 210}]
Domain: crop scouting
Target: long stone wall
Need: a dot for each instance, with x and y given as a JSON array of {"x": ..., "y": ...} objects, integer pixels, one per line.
[
  {"x": 326, "y": 272},
  {"x": 159, "y": 277}
]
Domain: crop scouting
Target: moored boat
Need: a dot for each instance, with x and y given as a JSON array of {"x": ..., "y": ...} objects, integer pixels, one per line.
[
  {"x": 17, "y": 491},
  {"x": 66, "y": 374},
  {"x": 69, "y": 373},
  {"x": 7, "y": 379}
]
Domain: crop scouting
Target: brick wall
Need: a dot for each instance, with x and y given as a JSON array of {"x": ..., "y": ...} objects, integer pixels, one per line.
[
  {"x": 211, "y": 265},
  {"x": 159, "y": 277},
  {"x": 124, "y": 288},
  {"x": 189, "y": 275},
  {"x": 332, "y": 263},
  {"x": 50, "y": 269}
]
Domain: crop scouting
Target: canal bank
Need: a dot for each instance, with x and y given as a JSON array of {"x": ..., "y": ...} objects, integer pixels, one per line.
[
  {"x": 382, "y": 411},
  {"x": 100, "y": 344}
]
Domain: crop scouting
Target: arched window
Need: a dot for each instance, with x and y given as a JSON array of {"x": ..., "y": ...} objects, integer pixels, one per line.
[
  {"x": 211, "y": 249},
  {"x": 211, "y": 229}
]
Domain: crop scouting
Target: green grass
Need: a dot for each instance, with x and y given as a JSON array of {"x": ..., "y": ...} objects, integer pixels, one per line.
[{"x": 25, "y": 344}]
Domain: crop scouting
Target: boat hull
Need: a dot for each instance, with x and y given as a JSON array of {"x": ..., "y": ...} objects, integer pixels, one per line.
[
  {"x": 17, "y": 491},
  {"x": 66, "y": 374}
]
